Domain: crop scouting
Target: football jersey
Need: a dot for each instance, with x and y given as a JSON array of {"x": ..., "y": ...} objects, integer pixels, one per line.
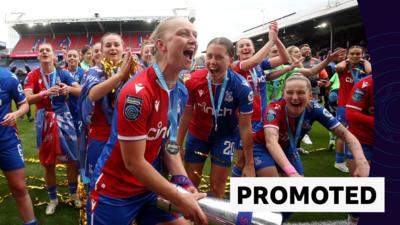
[
  {"x": 238, "y": 96},
  {"x": 141, "y": 114},
  {"x": 260, "y": 95},
  {"x": 101, "y": 114},
  {"x": 275, "y": 117},
  {"x": 34, "y": 82},
  {"x": 346, "y": 81},
  {"x": 10, "y": 89},
  {"x": 362, "y": 99},
  {"x": 73, "y": 100}
]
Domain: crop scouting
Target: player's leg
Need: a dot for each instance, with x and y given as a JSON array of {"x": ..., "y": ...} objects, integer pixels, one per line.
[
  {"x": 50, "y": 178},
  {"x": 12, "y": 164},
  {"x": 72, "y": 176},
  {"x": 340, "y": 163},
  {"x": 196, "y": 153}
]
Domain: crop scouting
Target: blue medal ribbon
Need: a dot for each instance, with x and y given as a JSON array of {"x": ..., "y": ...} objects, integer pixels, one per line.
[
  {"x": 356, "y": 74},
  {"x": 172, "y": 103},
  {"x": 253, "y": 74},
  {"x": 52, "y": 81},
  {"x": 294, "y": 139},
  {"x": 220, "y": 97}
]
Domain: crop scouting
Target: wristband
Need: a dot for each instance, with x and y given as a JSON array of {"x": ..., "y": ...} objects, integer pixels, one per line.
[
  {"x": 182, "y": 181},
  {"x": 42, "y": 94},
  {"x": 289, "y": 169}
]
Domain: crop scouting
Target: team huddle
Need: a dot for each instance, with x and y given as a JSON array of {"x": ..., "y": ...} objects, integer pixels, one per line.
[{"x": 132, "y": 129}]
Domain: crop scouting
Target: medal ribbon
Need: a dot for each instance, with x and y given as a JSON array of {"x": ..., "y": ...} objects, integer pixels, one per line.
[
  {"x": 172, "y": 103},
  {"x": 294, "y": 139},
  {"x": 220, "y": 97}
]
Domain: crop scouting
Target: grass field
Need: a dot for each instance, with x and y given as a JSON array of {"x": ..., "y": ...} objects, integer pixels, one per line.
[{"x": 317, "y": 163}]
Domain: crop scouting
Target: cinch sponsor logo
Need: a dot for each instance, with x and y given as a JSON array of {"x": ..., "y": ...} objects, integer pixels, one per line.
[
  {"x": 155, "y": 133},
  {"x": 259, "y": 79},
  {"x": 209, "y": 110}
]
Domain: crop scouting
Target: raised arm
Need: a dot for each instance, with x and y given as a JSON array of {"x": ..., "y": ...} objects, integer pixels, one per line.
[
  {"x": 320, "y": 66},
  {"x": 102, "y": 89},
  {"x": 264, "y": 51}
]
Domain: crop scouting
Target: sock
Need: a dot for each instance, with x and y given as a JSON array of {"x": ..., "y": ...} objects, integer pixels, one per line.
[
  {"x": 52, "y": 191},
  {"x": 339, "y": 157},
  {"x": 32, "y": 222},
  {"x": 72, "y": 188}
]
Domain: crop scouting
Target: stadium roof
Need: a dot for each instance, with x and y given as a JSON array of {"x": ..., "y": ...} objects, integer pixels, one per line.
[
  {"x": 342, "y": 21},
  {"x": 94, "y": 24},
  {"x": 302, "y": 17}
]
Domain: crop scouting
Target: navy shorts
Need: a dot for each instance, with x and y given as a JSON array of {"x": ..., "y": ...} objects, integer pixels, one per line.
[
  {"x": 94, "y": 149},
  {"x": 263, "y": 159},
  {"x": 123, "y": 211},
  {"x": 11, "y": 155},
  {"x": 221, "y": 150}
]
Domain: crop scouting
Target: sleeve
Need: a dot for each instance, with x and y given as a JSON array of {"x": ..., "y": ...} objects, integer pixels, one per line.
[
  {"x": 67, "y": 78},
  {"x": 323, "y": 74},
  {"x": 132, "y": 114},
  {"x": 273, "y": 115},
  {"x": 358, "y": 102},
  {"x": 16, "y": 90},
  {"x": 246, "y": 96},
  {"x": 30, "y": 82},
  {"x": 265, "y": 64},
  {"x": 324, "y": 116},
  {"x": 191, "y": 98},
  {"x": 359, "y": 97}
]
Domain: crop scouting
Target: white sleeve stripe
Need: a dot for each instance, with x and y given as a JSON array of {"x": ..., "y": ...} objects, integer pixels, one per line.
[
  {"x": 270, "y": 125},
  {"x": 246, "y": 112},
  {"x": 21, "y": 101},
  {"x": 354, "y": 107},
  {"x": 132, "y": 138},
  {"x": 28, "y": 89},
  {"x": 334, "y": 126}
]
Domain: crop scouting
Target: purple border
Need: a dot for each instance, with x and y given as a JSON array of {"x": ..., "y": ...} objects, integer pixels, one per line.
[{"x": 383, "y": 31}]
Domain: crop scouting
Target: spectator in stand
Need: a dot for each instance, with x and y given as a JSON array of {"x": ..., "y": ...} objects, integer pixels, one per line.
[{"x": 87, "y": 58}]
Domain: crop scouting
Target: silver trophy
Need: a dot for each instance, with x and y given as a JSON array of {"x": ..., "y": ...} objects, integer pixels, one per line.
[{"x": 218, "y": 211}]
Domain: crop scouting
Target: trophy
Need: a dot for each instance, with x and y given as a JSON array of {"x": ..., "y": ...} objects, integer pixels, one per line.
[{"x": 219, "y": 212}]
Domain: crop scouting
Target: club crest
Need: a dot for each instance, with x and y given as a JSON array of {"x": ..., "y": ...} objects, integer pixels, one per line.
[{"x": 228, "y": 96}]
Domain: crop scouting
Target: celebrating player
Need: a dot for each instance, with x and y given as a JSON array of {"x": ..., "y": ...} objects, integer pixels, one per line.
[
  {"x": 125, "y": 183},
  {"x": 98, "y": 97},
  {"x": 47, "y": 87},
  {"x": 215, "y": 94},
  {"x": 11, "y": 155}
]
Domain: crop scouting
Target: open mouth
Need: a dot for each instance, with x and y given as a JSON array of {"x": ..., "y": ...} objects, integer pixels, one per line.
[
  {"x": 213, "y": 70},
  {"x": 188, "y": 54}
]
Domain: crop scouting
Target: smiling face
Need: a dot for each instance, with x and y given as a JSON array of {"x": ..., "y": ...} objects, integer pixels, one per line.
[
  {"x": 72, "y": 59},
  {"x": 97, "y": 54},
  {"x": 354, "y": 56},
  {"x": 295, "y": 53},
  {"x": 297, "y": 94},
  {"x": 146, "y": 53},
  {"x": 218, "y": 60},
  {"x": 244, "y": 49},
  {"x": 176, "y": 42},
  {"x": 112, "y": 47},
  {"x": 87, "y": 57},
  {"x": 45, "y": 53}
]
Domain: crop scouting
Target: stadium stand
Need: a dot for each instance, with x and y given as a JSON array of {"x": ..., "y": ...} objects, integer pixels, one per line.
[{"x": 77, "y": 33}]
